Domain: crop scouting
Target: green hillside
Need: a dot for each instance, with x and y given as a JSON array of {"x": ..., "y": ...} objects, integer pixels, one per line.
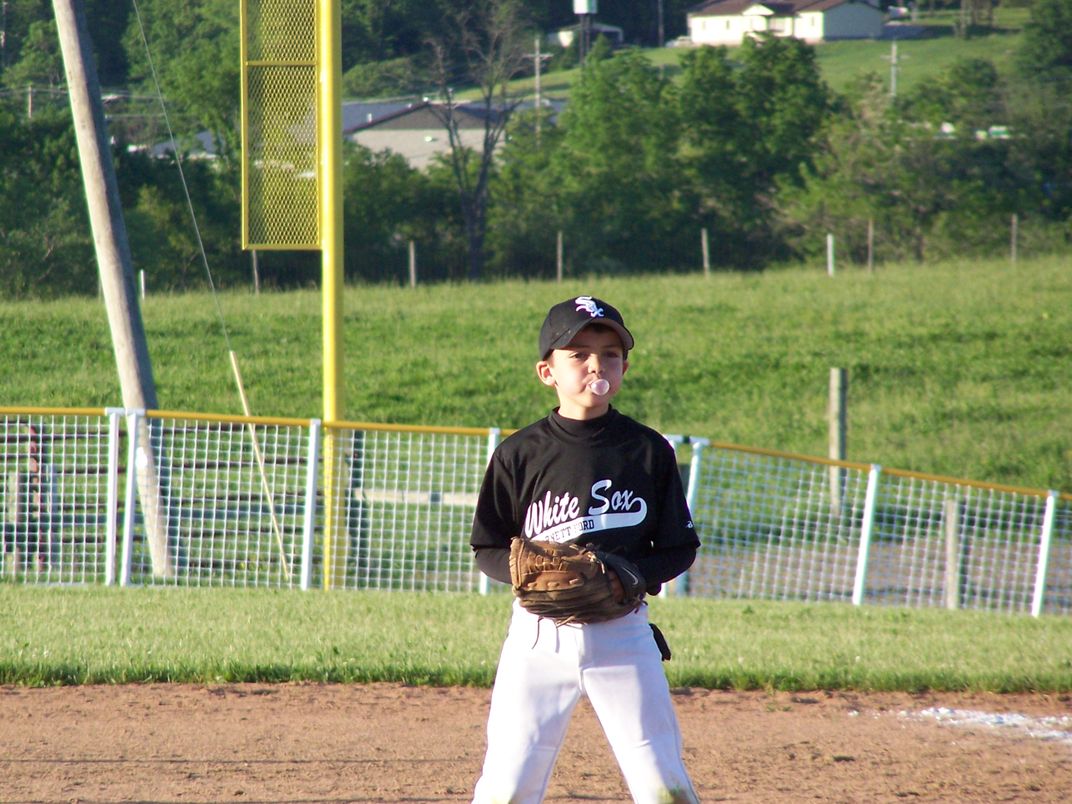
[
  {"x": 958, "y": 369},
  {"x": 924, "y": 51}
]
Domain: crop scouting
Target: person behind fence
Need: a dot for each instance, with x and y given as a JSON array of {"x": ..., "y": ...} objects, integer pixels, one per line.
[{"x": 589, "y": 476}]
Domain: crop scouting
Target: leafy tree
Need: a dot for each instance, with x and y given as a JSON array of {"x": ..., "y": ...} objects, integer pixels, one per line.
[
  {"x": 784, "y": 101},
  {"x": 970, "y": 96},
  {"x": 617, "y": 168},
  {"x": 165, "y": 241},
  {"x": 45, "y": 244},
  {"x": 18, "y": 16},
  {"x": 526, "y": 210},
  {"x": 482, "y": 43},
  {"x": 928, "y": 194},
  {"x": 376, "y": 30},
  {"x": 716, "y": 151},
  {"x": 1040, "y": 118},
  {"x": 387, "y": 205},
  {"x": 1045, "y": 51},
  {"x": 194, "y": 47},
  {"x": 31, "y": 52},
  {"x": 40, "y": 62},
  {"x": 749, "y": 124}
]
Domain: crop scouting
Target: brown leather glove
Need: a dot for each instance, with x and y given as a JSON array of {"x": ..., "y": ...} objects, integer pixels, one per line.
[{"x": 568, "y": 583}]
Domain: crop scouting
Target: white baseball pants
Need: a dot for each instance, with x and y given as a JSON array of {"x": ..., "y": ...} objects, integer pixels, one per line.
[{"x": 543, "y": 671}]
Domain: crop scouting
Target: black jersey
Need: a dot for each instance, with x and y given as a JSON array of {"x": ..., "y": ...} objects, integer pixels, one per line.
[{"x": 610, "y": 482}]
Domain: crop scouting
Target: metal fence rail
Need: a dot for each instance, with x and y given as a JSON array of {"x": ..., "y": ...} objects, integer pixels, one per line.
[{"x": 102, "y": 496}]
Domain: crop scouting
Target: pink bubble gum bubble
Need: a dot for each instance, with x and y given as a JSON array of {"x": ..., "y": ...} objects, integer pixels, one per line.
[{"x": 599, "y": 387}]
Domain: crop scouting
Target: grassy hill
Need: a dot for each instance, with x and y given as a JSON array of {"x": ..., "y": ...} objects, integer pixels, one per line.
[
  {"x": 925, "y": 50},
  {"x": 959, "y": 369}
]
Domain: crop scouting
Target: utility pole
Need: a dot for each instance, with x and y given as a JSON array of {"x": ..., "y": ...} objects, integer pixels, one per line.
[
  {"x": 113, "y": 260},
  {"x": 538, "y": 59},
  {"x": 585, "y": 10}
]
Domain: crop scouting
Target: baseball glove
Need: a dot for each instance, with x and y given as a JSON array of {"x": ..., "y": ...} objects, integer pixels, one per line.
[{"x": 568, "y": 583}]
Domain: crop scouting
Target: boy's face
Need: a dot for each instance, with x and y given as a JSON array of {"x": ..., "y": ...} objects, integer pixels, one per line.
[{"x": 595, "y": 353}]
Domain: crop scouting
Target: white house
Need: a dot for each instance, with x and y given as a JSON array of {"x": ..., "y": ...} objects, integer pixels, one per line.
[{"x": 728, "y": 22}]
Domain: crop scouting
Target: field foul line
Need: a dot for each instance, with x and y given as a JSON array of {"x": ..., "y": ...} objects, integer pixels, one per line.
[{"x": 1057, "y": 728}]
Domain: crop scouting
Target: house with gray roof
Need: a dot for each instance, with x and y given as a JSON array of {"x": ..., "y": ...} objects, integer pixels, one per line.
[{"x": 416, "y": 131}]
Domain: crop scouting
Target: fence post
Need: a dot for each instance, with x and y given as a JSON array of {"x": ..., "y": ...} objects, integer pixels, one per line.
[
  {"x": 830, "y": 255},
  {"x": 867, "y": 527},
  {"x": 870, "y": 245},
  {"x": 682, "y": 583},
  {"x": 309, "y": 519},
  {"x": 493, "y": 441},
  {"x": 1014, "y": 232},
  {"x": 412, "y": 264},
  {"x": 837, "y": 429},
  {"x": 130, "y": 492},
  {"x": 706, "y": 251},
  {"x": 558, "y": 255},
  {"x": 953, "y": 564},
  {"x": 1044, "y": 553},
  {"x": 111, "y": 529}
]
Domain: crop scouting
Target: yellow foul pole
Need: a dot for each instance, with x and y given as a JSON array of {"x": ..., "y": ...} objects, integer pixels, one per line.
[{"x": 329, "y": 117}]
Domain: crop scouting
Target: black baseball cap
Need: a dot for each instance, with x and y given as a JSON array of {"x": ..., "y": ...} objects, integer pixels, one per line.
[{"x": 567, "y": 318}]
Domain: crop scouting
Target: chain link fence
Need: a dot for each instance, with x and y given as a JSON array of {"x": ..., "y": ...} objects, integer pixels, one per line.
[{"x": 109, "y": 496}]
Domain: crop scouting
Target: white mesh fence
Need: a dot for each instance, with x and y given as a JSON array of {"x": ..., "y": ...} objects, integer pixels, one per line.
[
  {"x": 233, "y": 501},
  {"x": 408, "y": 507},
  {"x": 794, "y": 528},
  {"x": 54, "y": 476}
]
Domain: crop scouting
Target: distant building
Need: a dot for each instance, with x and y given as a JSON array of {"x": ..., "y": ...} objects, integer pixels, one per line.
[
  {"x": 565, "y": 36},
  {"x": 416, "y": 131},
  {"x": 729, "y": 22}
]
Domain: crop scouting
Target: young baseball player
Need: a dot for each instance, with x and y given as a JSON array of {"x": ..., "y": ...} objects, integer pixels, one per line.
[{"x": 591, "y": 475}]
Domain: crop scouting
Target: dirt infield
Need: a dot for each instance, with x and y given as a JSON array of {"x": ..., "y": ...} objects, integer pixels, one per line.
[{"x": 382, "y": 742}]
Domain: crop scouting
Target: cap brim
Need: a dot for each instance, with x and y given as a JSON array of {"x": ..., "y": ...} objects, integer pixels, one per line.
[{"x": 562, "y": 341}]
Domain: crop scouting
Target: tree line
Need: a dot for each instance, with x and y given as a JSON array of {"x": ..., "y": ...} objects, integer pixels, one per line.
[{"x": 746, "y": 144}]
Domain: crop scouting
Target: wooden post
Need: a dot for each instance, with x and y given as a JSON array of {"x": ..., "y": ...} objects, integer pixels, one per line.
[
  {"x": 412, "y": 264},
  {"x": 1013, "y": 236},
  {"x": 114, "y": 263},
  {"x": 705, "y": 248},
  {"x": 830, "y": 254},
  {"x": 870, "y": 245},
  {"x": 558, "y": 256},
  {"x": 953, "y": 568},
  {"x": 837, "y": 434}
]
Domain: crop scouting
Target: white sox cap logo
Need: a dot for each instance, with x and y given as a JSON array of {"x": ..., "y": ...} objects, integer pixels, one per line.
[{"x": 586, "y": 304}]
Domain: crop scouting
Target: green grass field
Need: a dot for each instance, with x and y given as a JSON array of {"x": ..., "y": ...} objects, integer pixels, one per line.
[
  {"x": 95, "y": 636},
  {"x": 957, "y": 369}
]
